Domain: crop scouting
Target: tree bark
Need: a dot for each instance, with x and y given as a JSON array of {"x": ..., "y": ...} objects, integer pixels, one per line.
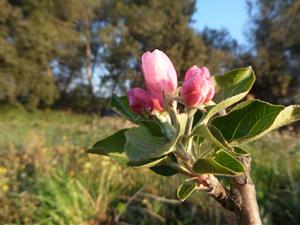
[
  {"x": 88, "y": 51},
  {"x": 88, "y": 69},
  {"x": 242, "y": 188},
  {"x": 240, "y": 199}
]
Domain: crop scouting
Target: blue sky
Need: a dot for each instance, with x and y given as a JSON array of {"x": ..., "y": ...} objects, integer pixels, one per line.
[{"x": 229, "y": 14}]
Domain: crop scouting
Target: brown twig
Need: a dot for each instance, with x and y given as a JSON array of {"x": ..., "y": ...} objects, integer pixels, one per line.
[
  {"x": 221, "y": 194},
  {"x": 160, "y": 199},
  {"x": 132, "y": 198}
]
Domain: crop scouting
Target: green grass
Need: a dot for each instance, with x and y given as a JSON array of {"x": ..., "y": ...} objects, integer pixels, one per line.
[{"x": 47, "y": 178}]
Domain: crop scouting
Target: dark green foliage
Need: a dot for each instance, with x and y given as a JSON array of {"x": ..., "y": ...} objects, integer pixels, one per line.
[
  {"x": 29, "y": 42},
  {"x": 44, "y": 47},
  {"x": 276, "y": 42},
  {"x": 141, "y": 26},
  {"x": 58, "y": 50}
]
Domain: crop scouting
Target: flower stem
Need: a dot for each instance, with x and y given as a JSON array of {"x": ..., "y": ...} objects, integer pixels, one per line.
[
  {"x": 188, "y": 140},
  {"x": 186, "y": 158}
]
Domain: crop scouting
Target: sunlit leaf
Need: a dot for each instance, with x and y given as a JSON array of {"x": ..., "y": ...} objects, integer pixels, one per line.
[
  {"x": 230, "y": 88},
  {"x": 251, "y": 120},
  {"x": 221, "y": 164}
]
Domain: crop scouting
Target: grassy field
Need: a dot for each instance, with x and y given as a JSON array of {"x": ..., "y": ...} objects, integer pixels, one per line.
[{"x": 47, "y": 178}]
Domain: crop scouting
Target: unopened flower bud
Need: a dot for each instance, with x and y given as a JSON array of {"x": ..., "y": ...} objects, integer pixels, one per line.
[
  {"x": 159, "y": 73},
  {"x": 139, "y": 100},
  {"x": 198, "y": 87}
]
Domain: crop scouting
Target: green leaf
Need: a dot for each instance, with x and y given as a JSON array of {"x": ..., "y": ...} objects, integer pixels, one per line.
[
  {"x": 147, "y": 162},
  {"x": 112, "y": 146},
  {"x": 231, "y": 88},
  {"x": 185, "y": 190},
  {"x": 182, "y": 119},
  {"x": 154, "y": 127},
  {"x": 197, "y": 117},
  {"x": 164, "y": 170},
  {"x": 240, "y": 152},
  {"x": 212, "y": 134},
  {"x": 121, "y": 106},
  {"x": 142, "y": 145},
  {"x": 222, "y": 164},
  {"x": 251, "y": 120},
  {"x": 166, "y": 167},
  {"x": 198, "y": 141},
  {"x": 165, "y": 122}
]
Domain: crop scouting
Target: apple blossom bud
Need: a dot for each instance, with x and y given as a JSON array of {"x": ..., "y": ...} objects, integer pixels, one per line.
[
  {"x": 156, "y": 104},
  {"x": 159, "y": 73},
  {"x": 197, "y": 88},
  {"x": 142, "y": 101},
  {"x": 139, "y": 100}
]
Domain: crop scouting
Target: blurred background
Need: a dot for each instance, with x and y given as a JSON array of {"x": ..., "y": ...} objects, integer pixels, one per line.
[{"x": 60, "y": 61}]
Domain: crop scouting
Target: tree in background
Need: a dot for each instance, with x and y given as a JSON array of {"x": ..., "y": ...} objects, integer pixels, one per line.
[
  {"x": 74, "y": 52},
  {"x": 58, "y": 49},
  {"x": 76, "y": 71},
  {"x": 222, "y": 50},
  {"x": 139, "y": 26},
  {"x": 46, "y": 47},
  {"x": 276, "y": 49},
  {"x": 31, "y": 39}
]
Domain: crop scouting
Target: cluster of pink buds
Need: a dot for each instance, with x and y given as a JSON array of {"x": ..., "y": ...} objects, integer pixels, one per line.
[{"x": 161, "y": 80}]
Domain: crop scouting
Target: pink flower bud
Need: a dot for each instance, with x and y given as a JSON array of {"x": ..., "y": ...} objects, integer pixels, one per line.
[
  {"x": 139, "y": 100},
  {"x": 156, "y": 104},
  {"x": 142, "y": 101},
  {"x": 159, "y": 73},
  {"x": 197, "y": 88}
]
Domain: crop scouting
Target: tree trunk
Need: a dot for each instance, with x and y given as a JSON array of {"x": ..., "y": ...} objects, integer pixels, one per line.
[
  {"x": 240, "y": 199},
  {"x": 244, "y": 194},
  {"x": 249, "y": 212},
  {"x": 88, "y": 69},
  {"x": 88, "y": 51}
]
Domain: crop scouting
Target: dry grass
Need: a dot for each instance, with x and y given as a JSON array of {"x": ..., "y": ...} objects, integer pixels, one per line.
[{"x": 47, "y": 178}]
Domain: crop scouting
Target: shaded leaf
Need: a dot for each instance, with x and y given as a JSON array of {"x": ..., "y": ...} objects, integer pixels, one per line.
[
  {"x": 112, "y": 146},
  {"x": 212, "y": 134},
  {"x": 153, "y": 126},
  {"x": 164, "y": 170},
  {"x": 121, "y": 106},
  {"x": 185, "y": 190},
  {"x": 197, "y": 117},
  {"x": 222, "y": 164},
  {"x": 147, "y": 162},
  {"x": 142, "y": 146},
  {"x": 240, "y": 152},
  {"x": 165, "y": 167}
]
